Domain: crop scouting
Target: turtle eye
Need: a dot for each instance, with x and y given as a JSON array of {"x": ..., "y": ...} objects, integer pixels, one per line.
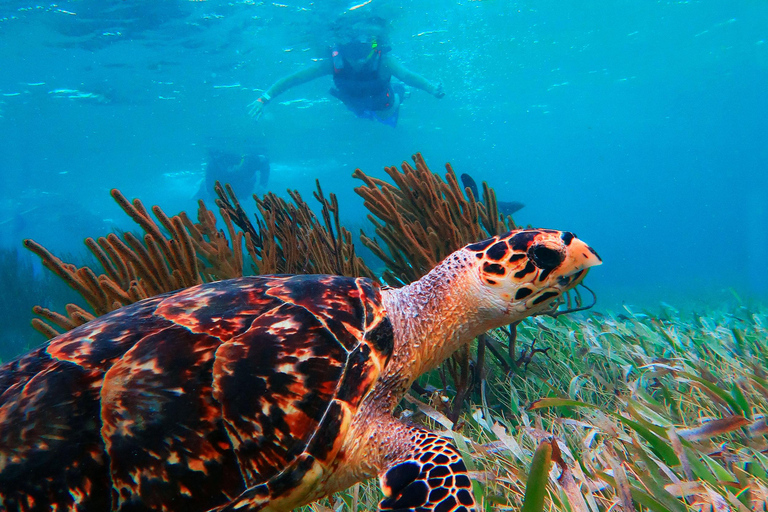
[{"x": 545, "y": 257}]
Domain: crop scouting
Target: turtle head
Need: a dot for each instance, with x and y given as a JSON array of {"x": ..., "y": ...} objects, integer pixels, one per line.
[
  {"x": 481, "y": 286},
  {"x": 522, "y": 272}
]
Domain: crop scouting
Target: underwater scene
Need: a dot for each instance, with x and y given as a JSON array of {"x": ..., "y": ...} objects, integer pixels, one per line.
[{"x": 339, "y": 255}]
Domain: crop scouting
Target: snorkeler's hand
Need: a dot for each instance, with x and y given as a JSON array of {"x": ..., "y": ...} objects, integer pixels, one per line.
[
  {"x": 438, "y": 92},
  {"x": 256, "y": 108}
]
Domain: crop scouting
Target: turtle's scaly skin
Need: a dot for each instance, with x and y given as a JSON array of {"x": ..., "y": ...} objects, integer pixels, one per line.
[
  {"x": 263, "y": 393},
  {"x": 184, "y": 400}
]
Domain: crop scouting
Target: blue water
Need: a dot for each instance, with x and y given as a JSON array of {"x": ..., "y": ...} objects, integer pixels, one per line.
[{"x": 641, "y": 126}]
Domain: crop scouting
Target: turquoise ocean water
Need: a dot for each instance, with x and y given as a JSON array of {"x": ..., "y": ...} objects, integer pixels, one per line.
[{"x": 640, "y": 126}]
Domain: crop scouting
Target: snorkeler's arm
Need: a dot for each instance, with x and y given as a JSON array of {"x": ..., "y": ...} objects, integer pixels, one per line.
[
  {"x": 302, "y": 76},
  {"x": 307, "y": 74},
  {"x": 413, "y": 79}
]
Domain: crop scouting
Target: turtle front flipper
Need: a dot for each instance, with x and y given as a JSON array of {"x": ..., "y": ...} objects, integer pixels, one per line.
[
  {"x": 429, "y": 476},
  {"x": 252, "y": 500},
  {"x": 296, "y": 485}
]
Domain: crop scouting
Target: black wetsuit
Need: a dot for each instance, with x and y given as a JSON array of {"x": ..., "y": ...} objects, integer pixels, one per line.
[
  {"x": 239, "y": 170},
  {"x": 366, "y": 89}
]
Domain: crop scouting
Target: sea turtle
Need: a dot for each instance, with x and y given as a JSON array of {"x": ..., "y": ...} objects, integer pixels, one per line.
[{"x": 265, "y": 392}]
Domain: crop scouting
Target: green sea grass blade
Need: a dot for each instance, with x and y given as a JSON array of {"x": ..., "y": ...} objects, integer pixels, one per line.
[
  {"x": 738, "y": 396},
  {"x": 677, "y": 445},
  {"x": 673, "y": 404},
  {"x": 761, "y": 385},
  {"x": 740, "y": 341},
  {"x": 514, "y": 400},
  {"x": 746, "y": 485},
  {"x": 461, "y": 444},
  {"x": 508, "y": 440},
  {"x": 473, "y": 423},
  {"x": 757, "y": 471},
  {"x": 494, "y": 499},
  {"x": 647, "y": 500},
  {"x": 700, "y": 470},
  {"x": 722, "y": 474},
  {"x": 489, "y": 420},
  {"x": 536, "y": 487},
  {"x": 723, "y": 395},
  {"x": 717, "y": 346},
  {"x": 672, "y": 341},
  {"x": 348, "y": 500},
  {"x": 638, "y": 450},
  {"x": 739, "y": 506},
  {"x": 656, "y": 429},
  {"x": 763, "y": 382},
  {"x": 659, "y": 446},
  {"x": 759, "y": 468},
  {"x": 651, "y": 478},
  {"x": 566, "y": 504},
  {"x": 544, "y": 403},
  {"x": 646, "y": 412},
  {"x": 647, "y": 397},
  {"x": 553, "y": 390},
  {"x": 574, "y": 386}
]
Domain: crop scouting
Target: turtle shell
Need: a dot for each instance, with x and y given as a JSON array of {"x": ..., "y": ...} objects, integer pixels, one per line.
[{"x": 183, "y": 401}]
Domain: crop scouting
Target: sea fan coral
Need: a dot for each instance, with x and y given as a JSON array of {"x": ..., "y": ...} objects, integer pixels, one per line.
[
  {"x": 179, "y": 253},
  {"x": 422, "y": 218}
]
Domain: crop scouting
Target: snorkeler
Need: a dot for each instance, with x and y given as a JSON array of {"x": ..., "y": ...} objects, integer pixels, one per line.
[
  {"x": 237, "y": 169},
  {"x": 362, "y": 69}
]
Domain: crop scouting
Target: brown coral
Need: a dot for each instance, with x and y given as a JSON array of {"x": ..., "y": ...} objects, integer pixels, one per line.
[
  {"x": 134, "y": 268},
  {"x": 290, "y": 239},
  {"x": 180, "y": 253},
  {"x": 422, "y": 218}
]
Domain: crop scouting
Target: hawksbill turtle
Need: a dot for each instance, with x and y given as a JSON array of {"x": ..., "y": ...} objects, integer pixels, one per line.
[{"x": 265, "y": 392}]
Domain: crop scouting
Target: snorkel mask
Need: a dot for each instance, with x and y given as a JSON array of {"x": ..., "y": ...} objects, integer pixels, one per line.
[{"x": 360, "y": 49}]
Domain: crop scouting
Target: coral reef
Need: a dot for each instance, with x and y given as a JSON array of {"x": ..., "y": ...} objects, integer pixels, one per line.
[
  {"x": 422, "y": 218},
  {"x": 290, "y": 239},
  {"x": 134, "y": 268},
  {"x": 179, "y": 253}
]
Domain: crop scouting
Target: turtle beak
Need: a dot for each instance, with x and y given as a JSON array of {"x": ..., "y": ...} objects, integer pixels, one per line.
[{"x": 579, "y": 257}]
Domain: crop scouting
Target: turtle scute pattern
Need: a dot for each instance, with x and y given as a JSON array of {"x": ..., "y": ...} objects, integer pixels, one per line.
[{"x": 182, "y": 401}]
